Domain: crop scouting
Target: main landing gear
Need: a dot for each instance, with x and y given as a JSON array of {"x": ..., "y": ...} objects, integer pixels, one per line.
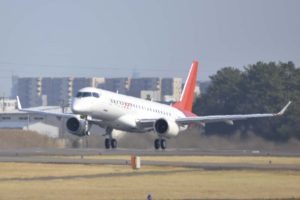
[
  {"x": 110, "y": 142},
  {"x": 160, "y": 143}
]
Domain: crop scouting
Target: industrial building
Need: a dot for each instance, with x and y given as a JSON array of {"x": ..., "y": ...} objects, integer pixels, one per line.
[
  {"x": 50, "y": 91},
  {"x": 58, "y": 91},
  {"x": 120, "y": 85}
]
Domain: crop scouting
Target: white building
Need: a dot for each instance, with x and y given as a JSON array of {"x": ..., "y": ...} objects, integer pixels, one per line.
[
  {"x": 152, "y": 95},
  {"x": 7, "y": 105}
]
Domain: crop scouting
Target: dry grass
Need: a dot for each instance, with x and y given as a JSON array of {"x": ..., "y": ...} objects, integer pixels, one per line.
[
  {"x": 120, "y": 182},
  {"x": 229, "y": 159},
  {"x": 10, "y": 138}
]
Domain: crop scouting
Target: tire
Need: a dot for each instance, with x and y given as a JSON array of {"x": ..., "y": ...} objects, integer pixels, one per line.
[
  {"x": 163, "y": 144},
  {"x": 156, "y": 144},
  {"x": 114, "y": 143},
  {"x": 107, "y": 143}
]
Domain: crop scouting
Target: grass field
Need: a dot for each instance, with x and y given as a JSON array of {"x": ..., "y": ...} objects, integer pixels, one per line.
[
  {"x": 11, "y": 139},
  {"x": 60, "y": 181}
]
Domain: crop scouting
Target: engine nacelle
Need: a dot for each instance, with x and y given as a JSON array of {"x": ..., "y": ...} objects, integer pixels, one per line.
[
  {"x": 166, "y": 128},
  {"x": 77, "y": 126}
]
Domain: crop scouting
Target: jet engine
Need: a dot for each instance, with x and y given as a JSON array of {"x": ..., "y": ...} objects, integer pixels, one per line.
[
  {"x": 166, "y": 128},
  {"x": 77, "y": 126}
]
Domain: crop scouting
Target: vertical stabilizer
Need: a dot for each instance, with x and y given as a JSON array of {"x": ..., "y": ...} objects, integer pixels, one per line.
[{"x": 187, "y": 96}]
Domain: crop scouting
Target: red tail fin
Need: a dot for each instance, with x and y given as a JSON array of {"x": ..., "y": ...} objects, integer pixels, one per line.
[{"x": 187, "y": 96}]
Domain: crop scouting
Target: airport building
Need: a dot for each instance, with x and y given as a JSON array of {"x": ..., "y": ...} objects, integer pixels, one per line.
[
  {"x": 11, "y": 118},
  {"x": 52, "y": 126}
]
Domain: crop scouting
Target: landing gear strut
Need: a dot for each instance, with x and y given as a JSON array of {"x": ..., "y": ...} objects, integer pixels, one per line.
[
  {"x": 160, "y": 143},
  {"x": 110, "y": 142}
]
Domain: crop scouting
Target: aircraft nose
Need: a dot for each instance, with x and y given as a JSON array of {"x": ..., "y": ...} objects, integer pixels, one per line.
[{"x": 77, "y": 108}]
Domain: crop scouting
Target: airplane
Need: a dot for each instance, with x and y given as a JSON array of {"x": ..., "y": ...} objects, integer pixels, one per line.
[{"x": 109, "y": 110}]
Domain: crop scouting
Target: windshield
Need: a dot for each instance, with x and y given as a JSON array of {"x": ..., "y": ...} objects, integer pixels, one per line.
[{"x": 87, "y": 94}]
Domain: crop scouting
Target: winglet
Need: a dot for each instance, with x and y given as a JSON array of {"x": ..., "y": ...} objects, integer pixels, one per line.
[
  {"x": 19, "y": 106},
  {"x": 283, "y": 109}
]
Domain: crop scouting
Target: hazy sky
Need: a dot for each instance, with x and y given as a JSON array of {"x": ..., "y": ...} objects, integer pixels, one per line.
[{"x": 155, "y": 38}]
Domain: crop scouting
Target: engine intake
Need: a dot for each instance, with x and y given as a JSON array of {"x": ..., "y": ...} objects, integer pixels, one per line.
[
  {"x": 166, "y": 128},
  {"x": 77, "y": 126},
  {"x": 161, "y": 126},
  {"x": 73, "y": 124}
]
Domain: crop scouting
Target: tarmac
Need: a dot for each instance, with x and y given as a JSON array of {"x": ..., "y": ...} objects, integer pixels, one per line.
[{"x": 141, "y": 152}]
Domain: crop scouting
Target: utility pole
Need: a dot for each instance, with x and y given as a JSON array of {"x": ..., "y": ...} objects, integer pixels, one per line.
[
  {"x": 3, "y": 102},
  {"x": 63, "y": 107}
]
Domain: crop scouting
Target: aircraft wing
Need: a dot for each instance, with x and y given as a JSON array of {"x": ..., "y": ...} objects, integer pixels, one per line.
[
  {"x": 227, "y": 118},
  {"x": 54, "y": 114},
  {"x": 42, "y": 112}
]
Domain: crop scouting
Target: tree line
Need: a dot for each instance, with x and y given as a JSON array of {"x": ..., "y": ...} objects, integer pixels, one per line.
[{"x": 259, "y": 88}]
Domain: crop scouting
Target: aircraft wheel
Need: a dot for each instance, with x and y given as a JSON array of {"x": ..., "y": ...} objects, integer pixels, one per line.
[
  {"x": 163, "y": 144},
  {"x": 156, "y": 144},
  {"x": 114, "y": 143},
  {"x": 107, "y": 143}
]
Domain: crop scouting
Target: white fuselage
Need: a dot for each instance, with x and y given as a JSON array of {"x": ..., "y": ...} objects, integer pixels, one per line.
[{"x": 119, "y": 111}]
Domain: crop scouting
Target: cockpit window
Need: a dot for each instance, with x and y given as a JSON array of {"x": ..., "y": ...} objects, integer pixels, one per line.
[
  {"x": 87, "y": 94},
  {"x": 95, "y": 95},
  {"x": 79, "y": 94}
]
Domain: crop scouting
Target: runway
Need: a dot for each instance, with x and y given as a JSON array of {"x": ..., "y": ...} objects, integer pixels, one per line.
[
  {"x": 81, "y": 156},
  {"x": 141, "y": 152}
]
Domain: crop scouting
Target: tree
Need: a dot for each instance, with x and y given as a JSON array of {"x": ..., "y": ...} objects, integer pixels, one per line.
[{"x": 262, "y": 87}]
